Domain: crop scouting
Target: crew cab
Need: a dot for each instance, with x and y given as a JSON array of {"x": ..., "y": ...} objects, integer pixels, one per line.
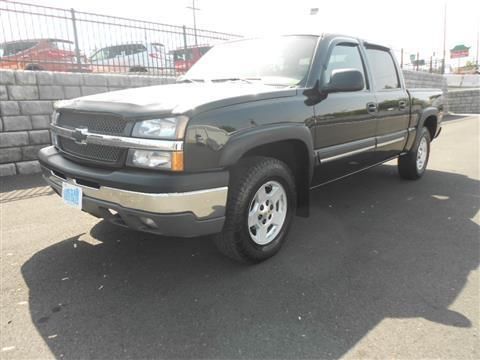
[{"x": 235, "y": 147}]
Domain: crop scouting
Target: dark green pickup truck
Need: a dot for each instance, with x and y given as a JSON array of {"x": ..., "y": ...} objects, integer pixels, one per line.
[{"x": 234, "y": 148}]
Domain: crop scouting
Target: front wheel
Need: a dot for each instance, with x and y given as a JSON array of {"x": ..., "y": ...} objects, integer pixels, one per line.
[
  {"x": 413, "y": 164},
  {"x": 260, "y": 209}
]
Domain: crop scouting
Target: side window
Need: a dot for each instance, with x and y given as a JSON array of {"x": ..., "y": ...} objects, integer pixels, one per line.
[
  {"x": 135, "y": 49},
  {"x": 120, "y": 51},
  {"x": 203, "y": 50},
  {"x": 383, "y": 69},
  {"x": 344, "y": 56},
  {"x": 98, "y": 56}
]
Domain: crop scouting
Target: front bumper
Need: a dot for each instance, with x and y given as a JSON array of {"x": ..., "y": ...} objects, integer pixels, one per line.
[{"x": 167, "y": 204}]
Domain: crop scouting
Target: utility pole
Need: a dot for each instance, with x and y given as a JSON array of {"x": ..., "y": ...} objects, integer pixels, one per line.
[
  {"x": 194, "y": 11},
  {"x": 444, "y": 38},
  {"x": 476, "y": 63}
]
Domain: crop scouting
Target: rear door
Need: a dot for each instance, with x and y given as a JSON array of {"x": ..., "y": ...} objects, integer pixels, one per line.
[
  {"x": 137, "y": 55},
  {"x": 392, "y": 102},
  {"x": 345, "y": 122}
]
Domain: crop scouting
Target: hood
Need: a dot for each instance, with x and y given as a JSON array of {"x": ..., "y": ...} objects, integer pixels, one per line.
[{"x": 174, "y": 98}]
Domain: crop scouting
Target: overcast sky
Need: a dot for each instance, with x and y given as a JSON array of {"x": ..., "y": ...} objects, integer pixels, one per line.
[{"x": 416, "y": 25}]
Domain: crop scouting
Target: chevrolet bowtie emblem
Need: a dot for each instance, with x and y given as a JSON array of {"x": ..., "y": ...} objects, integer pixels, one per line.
[{"x": 79, "y": 135}]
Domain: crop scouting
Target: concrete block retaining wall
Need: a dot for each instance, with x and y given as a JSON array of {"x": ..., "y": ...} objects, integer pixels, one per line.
[
  {"x": 418, "y": 79},
  {"x": 458, "y": 100},
  {"x": 26, "y": 105},
  {"x": 464, "y": 101}
]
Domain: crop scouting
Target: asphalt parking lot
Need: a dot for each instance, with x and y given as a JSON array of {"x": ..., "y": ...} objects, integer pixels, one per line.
[{"x": 383, "y": 268}]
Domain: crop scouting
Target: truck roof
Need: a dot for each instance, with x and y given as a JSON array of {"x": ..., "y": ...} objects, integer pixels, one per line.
[{"x": 324, "y": 35}]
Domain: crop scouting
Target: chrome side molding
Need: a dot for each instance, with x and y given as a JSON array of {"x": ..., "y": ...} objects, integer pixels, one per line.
[
  {"x": 390, "y": 142},
  {"x": 349, "y": 153}
]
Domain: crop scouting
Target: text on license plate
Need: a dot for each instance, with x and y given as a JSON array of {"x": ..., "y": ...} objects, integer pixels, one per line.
[{"x": 72, "y": 195}]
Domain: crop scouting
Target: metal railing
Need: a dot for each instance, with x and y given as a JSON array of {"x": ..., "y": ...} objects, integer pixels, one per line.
[
  {"x": 34, "y": 37},
  {"x": 428, "y": 61}
]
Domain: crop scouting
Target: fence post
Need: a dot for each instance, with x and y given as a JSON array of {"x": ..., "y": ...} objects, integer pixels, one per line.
[
  {"x": 185, "y": 39},
  {"x": 401, "y": 58},
  {"x": 75, "y": 37},
  {"x": 185, "y": 52},
  {"x": 418, "y": 59}
]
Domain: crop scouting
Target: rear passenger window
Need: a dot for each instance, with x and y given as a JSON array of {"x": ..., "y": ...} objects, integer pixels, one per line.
[
  {"x": 383, "y": 69},
  {"x": 134, "y": 49},
  {"x": 344, "y": 56}
]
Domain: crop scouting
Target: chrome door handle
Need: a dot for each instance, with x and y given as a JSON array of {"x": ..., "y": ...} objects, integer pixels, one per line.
[{"x": 372, "y": 107}]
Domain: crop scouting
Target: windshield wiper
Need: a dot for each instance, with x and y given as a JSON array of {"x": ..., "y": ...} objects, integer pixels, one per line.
[
  {"x": 184, "y": 79},
  {"x": 249, "y": 80}
]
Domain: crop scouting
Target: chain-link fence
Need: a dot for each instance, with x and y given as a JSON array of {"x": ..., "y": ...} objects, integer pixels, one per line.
[{"x": 34, "y": 37}]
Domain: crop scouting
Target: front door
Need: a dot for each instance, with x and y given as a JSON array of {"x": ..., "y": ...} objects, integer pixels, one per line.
[{"x": 345, "y": 123}]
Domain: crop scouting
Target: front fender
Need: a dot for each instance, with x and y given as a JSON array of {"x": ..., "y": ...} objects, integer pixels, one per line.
[{"x": 238, "y": 145}]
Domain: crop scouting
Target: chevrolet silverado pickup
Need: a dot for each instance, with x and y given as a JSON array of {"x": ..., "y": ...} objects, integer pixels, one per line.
[{"x": 236, "y": 145}]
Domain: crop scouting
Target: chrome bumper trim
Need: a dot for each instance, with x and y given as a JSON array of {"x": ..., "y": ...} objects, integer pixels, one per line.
[
  {"x": 83, "y": 136},
  {"x": 209, "y": 203}
]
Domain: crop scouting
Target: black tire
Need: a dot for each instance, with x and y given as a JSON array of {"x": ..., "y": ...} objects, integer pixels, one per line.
[
  {"x": 33, "y": 67},
  {"x": 407, "y": 164},
  {"x": 138, "y": 69},
  {"x": 246, "y": 179}
]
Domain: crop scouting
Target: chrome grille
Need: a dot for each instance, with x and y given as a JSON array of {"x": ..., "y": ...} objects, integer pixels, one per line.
[
  {"x": 99, "y": 123},
  {"x": 106, "y": 154},
  {"x": 95, "y": 123}
]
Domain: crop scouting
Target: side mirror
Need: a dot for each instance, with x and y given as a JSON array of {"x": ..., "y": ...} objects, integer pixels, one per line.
[{"x": 343, "y": 80}]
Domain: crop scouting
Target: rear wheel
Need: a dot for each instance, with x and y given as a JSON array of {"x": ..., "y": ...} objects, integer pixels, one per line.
[
  {"x": 33, "y": 67},
  {"x": 412, "y": 165},
  {"x": 261, "y": 206},
  {"x": 138, "y": 69}
]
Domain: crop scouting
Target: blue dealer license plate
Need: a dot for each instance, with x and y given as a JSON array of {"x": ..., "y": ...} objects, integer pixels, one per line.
[{"x": 72, "y": 195}]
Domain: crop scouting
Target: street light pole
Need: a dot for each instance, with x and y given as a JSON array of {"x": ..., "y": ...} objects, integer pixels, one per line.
[{"x": 194, "y": 10}]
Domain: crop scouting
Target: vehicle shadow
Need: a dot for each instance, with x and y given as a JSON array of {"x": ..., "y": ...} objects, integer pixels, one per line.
[{"x": 375, "y": 247}]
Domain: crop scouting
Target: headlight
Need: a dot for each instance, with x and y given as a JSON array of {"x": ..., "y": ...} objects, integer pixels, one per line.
[
  {"x": 154, "y": 159},
  {"x": 164, "y": 128},
  {"x": 54, "y": 118},
  {"x": 53, "y": 121}
]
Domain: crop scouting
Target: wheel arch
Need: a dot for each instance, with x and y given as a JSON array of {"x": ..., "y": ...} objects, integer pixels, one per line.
[
  {"x": 287, "y": 143},
  {"x": 431, "y": 123},
  {"x": 429, "y": 119}
]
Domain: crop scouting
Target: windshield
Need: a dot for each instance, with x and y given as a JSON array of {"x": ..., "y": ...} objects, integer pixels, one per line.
[
  {"x": 13, "y": 48},
  {"x": 62, "y": 45},
  {"x": 183, "y": 55},
  {"x": 275, "y": 61}
]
